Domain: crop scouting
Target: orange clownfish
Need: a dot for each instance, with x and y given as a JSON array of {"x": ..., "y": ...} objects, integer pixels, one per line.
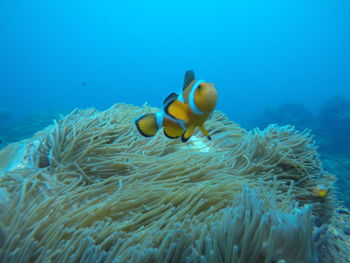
[
  {"x": 320, "y": 191},
  {"x": 181, "y": 114}
]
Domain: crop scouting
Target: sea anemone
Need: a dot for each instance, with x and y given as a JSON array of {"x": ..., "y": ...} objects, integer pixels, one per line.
[{"x": 89, "y": 188}]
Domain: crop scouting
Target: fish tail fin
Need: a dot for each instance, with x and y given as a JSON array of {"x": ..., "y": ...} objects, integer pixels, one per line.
[{"x": 147, "y": 124}]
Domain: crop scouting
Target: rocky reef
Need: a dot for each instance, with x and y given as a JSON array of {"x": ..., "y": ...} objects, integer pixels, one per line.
[
  {"x": 287, "y": 114},
  {"x": 334, "y": 126},
  {"x": 12, "y": 131}
]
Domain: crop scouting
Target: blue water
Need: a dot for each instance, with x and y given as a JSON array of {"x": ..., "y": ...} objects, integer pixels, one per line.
[
  {"x": 292, "y": 56},
  {"x": 258, "y": 53}
]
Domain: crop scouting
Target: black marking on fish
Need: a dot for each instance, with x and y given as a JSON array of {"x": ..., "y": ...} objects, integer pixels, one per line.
[{"x": 172, "y": 96}]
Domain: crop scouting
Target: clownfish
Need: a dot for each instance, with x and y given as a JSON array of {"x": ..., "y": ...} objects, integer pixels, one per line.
[
  {"x": 181, "y": 114},
  {"x": 320, "y": 191}
]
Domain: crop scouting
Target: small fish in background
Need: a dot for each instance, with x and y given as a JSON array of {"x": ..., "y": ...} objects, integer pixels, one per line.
[
  {"x": 182, "y": 114},
  {"x": 320, "y": 191},
  {"x": 343, "y": 211},
  {"x": 84, "y": 84}
]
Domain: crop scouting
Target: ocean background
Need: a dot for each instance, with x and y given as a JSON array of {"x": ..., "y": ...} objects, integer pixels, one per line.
[{"x": 285, "y": 62}]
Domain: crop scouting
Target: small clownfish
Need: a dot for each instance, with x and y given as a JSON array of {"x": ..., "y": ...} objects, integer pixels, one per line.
[
  {"x": 182, "y": 113},
  {"x": 149, "y": 124},
  {"x": 320, "y": 191}
]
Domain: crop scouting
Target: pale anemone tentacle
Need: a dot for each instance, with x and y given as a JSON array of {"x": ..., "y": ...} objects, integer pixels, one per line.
[{"x": 100, "y": 192}]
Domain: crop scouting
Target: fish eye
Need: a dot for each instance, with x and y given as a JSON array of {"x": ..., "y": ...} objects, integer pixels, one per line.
[{"x": 199, "y": 86}]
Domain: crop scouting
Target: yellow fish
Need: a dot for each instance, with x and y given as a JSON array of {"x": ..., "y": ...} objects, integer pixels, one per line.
[
  {"x": 320, "y": 191},
  {"x": 182, "y": 113}
]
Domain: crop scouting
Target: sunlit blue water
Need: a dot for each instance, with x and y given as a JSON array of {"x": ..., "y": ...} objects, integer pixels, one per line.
[{"x": 259, "y": 53}]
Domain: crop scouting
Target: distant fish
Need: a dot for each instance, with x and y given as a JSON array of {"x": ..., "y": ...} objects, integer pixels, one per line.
[
  {"x": 181, "y": 114},
  {"x": 0, "y": 141},
  {"x": 320, "y": 191},
  {"x": 343, "y": 211},
  {"x": 84, "y": 84}
]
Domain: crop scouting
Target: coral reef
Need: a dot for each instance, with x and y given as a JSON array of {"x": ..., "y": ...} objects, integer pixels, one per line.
[
  {"x": 287, "y": 114},
  {"x": 27, "y": 126},
  {"x": 334, "y": 126},
  {"x": 331, "y": 125},
  {"x": 340, "y": 166},
  {"x": 89, "y": 189}
]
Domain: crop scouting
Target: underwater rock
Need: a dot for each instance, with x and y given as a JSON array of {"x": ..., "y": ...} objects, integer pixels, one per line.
[
  {"x": 339, "y": 166},
  {"x": 287, "y": 114},
  {"x": 89, "y": 188},
  {"x": 30, "y": 124},
  {"x": 335, "y": 113},
  {"x": 334, "y": 125}
]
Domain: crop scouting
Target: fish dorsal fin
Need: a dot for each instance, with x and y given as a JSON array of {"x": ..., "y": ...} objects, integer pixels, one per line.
[
  {"x": 172, "y": 96},
  {"x": 189, "y": 77}
]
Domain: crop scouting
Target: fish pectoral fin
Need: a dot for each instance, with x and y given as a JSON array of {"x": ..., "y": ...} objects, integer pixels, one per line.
[
  {"x": 147, "y": 124},
  {"x": 172, "y": 96},
  {"x": 172, "y": 129},
  {"x": 177, "y": 110},
  {"x": 188, "y": 133},
  {"x": 205, "y": 132}
]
